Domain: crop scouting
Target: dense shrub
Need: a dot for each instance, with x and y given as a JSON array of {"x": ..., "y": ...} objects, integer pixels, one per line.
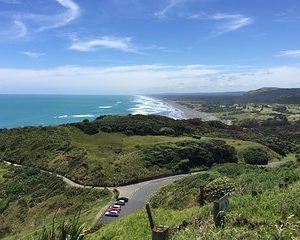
[
  {"x": 249, "y": 123},
  {"x": 144, "y": 125},
  {"x": 184, "y": 166},
  {"x": 256, "y": 155},
  {"x": 199, "y": 153},
  {"x": 278, "y": 145},
  {"x": 87, "y": 127},
  {"x": 218, "y": 188}
]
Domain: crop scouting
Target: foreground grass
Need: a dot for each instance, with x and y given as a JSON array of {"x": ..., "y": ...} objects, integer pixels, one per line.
[
  {"x": 29, "y": 200},
  {"x": 273, "y": 214},
  {"x": 136, "y": 226}
]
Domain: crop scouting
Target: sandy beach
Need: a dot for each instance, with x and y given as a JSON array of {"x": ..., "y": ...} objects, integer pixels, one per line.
[{"x": 188, "y": 113}]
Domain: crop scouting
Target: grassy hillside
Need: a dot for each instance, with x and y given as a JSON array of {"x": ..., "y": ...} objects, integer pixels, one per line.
[
  {"x": 29, "y": 200},
  {"x": 103, "y": 158},
  {"x": 112, "y": 155},
  {"x": 273, "y": 214}
]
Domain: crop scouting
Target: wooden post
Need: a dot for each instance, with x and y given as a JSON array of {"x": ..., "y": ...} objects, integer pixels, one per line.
[
  {"x": 216, "y": 213},
  {"x": 220, "y": 208},
  {"x": 160, "y": 232},
  {"x": 201, "y": 196},
  {"x": 150, "y": 217}
]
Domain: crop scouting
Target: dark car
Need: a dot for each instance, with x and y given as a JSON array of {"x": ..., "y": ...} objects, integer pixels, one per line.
[{"x": 125, "y": 199}]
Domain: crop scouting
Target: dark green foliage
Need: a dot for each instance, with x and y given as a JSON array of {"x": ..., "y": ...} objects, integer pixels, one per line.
[
  {"x": 278, "y": 120},
  {"x": 184, "y": 166},
  {"x": 197, "y": 152},
  {"x": 143, "y": 125},
  {"x": 87, "y": 127},
  {"x": 167, "y": 131},
  {"x": 249, "y": 123},
  {"x": 281, "y": 146},
  {"x": 67, "y": 230},
  {"x": 256, "y": 155},
  {"x": 218, "y": 188}
]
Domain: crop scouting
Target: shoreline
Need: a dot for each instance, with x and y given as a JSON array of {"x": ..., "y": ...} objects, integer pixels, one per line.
[{"x": 188, "y": 113}]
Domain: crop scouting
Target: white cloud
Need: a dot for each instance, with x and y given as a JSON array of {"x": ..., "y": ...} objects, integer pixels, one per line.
[
  {"x": 32, "y": 54},
  {"x": 16, "y": 30},
  {"x": 23, "y": 22},
  {"x": 145, "y": 79},
  {"x": 228, "y": 22},
  {"x": 172, "y": 4},
  {"x": 290, "y": 53},
  {"x": 122, "y": 44},
  {"x": 72, "y": 12}
]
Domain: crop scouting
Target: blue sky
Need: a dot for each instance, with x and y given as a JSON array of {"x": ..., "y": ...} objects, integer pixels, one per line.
[{"x": 148, "y": 46}]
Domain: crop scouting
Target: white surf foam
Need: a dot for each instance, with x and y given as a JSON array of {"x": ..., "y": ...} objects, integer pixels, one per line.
[
  {"x": 147, "y": 106},
  {"x": 105, "y": 107},
  {"x": 77, "y": 116}
]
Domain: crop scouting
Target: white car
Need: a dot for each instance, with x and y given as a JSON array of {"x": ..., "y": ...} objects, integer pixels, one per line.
[
  {"x": 111, "y": 214},
  {"x": 115, "y": 206}
]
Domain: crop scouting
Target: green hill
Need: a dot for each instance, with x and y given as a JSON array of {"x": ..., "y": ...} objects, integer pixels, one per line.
[{"x": 273, "y": 95}]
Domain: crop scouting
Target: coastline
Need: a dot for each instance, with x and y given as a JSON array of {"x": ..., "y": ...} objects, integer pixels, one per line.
[{"x": 188, "y": 113}]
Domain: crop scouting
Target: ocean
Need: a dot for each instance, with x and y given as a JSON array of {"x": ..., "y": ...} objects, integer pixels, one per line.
[{"x": 44, "y": 110}]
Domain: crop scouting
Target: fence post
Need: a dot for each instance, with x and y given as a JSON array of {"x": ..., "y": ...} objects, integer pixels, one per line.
[
  {"x": 160, "y": 232},
  {"x": 150, "y": 217},
  {"x": 201, "y": 200},
  {"x": 220, "y": 208},
  {"x": 217, "y": 216}
]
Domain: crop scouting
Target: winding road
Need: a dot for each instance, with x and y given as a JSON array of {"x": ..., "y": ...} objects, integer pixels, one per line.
[{"x": 138, "y": 194}]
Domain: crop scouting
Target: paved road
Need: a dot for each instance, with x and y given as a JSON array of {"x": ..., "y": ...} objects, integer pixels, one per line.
[{"x": 139, "y": 195}]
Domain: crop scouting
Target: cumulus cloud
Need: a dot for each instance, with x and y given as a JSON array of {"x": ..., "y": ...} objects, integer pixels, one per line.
[
  {"x": 109, "y": 42},
  {"x": 145, "y": 79}
]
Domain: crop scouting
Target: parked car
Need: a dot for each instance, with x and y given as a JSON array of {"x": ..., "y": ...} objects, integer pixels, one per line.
[
  {"x": 111, "y": 214},
  {"x": 116, "y": 206},
  {"x": 120, "y": 203},
  {"x": 113, "y": 209},
  {"x": 125, "y": 199}
]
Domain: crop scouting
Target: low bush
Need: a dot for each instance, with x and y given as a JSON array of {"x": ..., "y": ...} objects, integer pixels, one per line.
[
  {"x": 218, "y": 188},
  {"x": 256, "y": 155},
  {"x": 198, "y": 153}
]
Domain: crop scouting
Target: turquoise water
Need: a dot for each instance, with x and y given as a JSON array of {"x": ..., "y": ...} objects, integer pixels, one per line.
[{"x": 42, "y": 110}]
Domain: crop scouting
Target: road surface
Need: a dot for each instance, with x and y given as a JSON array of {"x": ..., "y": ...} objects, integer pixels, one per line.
[{"x": 138, "y": 194}]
